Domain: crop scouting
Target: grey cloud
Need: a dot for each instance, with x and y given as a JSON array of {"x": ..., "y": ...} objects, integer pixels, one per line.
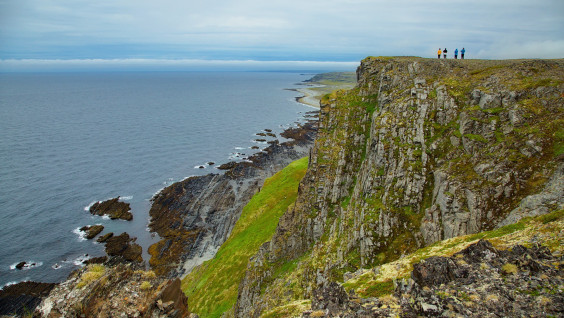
[{"x": 296, "y": 29}]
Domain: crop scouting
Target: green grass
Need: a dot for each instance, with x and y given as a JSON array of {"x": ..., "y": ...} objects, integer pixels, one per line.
[{"x": 212, "y": 287}]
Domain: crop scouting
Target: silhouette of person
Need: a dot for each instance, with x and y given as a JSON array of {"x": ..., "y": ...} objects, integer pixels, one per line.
[
  {"x": 462, "y": 53},
  {"x": 456, "y": 54},
  {"x": 439, "y": 53},
  {"x": 444, "y": 53}
]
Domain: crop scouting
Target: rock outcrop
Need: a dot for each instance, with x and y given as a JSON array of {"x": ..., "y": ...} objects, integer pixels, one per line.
[
  {"x": 195, "y": 216},
  {"x": 124, "y": 247},
  {"x": 92, "y": 230},
  {"x": 420, "y": 151},
  {"x": 479, "y": 281},
  {"x": 22, "y": 298},
  {"x": 104, "y": 291},
  {"x": 112, "y": 208}
]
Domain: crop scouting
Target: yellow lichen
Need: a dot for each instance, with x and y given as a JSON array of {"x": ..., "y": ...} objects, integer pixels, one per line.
[
  {"x": 94, "y": 273},
  {"x": 492, "y": 298},
  {"x": 145, "y": 285},
  {"x": 509, "y": 269}
]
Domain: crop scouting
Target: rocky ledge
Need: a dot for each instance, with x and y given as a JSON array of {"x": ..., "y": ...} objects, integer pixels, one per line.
[
  {"x": 122, "y": 246},
  {"x": 19, "y": 299},
  {"x": 112, "y": 208},
  {"x": 104, "y": 291},
  {"x": 479, "y": 281},
  {"x": 92, "y": 230},
  {"x": 195, "y": 216}
]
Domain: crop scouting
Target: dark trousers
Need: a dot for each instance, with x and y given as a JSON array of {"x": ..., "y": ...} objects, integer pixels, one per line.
[{"x": 462, "y": 56}]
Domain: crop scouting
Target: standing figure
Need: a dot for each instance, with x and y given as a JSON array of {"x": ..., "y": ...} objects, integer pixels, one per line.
[
  {"x": 439, "y": 53},
  {"x": 444, "y": 53},
  {"x": 462, "y": 53},
  {"x": 456, "y": 54}
]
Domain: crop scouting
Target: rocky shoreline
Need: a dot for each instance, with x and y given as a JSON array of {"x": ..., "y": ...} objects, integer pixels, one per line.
[
  {"x": 195, "y": 216},
  {"x": 195, "y": 240}
]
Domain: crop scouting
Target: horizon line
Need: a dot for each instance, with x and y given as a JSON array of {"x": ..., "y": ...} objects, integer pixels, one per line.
[{"x": 19, "y": 65}]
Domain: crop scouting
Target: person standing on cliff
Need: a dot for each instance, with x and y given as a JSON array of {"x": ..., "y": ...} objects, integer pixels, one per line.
[
  {"x": 462, "y": 53},
  {"x": 444, "y": 53},
  {"x": 439, "y": 53},
  {"x": 456, "y": 54}
]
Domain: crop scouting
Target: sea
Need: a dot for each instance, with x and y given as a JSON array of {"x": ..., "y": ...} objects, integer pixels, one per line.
[{"x": 68, "y": 140}]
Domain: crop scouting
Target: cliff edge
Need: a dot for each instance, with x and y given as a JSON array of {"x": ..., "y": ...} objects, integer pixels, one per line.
[{"x": 420, "y": 151}]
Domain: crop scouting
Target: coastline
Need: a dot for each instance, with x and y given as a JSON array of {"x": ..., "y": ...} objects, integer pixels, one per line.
[
  {"x": 310, "y": 97},
  {"x": 321, "y": 84},
  {"x": 208, "y": 206},
  {"x": 273, "y": 147}
]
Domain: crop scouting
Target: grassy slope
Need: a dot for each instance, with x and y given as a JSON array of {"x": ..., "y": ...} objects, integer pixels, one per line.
[{"x": 212, "y": 287}]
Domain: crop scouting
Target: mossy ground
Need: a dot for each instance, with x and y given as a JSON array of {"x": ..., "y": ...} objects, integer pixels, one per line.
[
  {"x": 546, "y": 228},
  {"x": 212, "y": 287}
]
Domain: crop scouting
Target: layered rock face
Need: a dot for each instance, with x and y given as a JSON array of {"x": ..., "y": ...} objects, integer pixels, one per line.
[
  {"x": 195, "y": 216},
  {"x": 420, "y": 151}
]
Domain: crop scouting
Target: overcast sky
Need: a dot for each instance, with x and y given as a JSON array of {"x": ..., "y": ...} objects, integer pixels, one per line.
[{"x": 133, "y": 31}]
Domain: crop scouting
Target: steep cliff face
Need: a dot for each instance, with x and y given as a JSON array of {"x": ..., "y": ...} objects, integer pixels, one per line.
[
  {"x": 420, "y": 151},
  {"x": 195, "y": 216}
]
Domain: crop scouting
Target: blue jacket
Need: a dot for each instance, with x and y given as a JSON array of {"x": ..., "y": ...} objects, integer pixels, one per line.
[
  {"x": 462, "y": 51},
  {"x": 456, "y": 52}
]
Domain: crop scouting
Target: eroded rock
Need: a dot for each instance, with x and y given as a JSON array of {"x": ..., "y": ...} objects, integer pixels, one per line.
[{"x": 112, "y": 208}]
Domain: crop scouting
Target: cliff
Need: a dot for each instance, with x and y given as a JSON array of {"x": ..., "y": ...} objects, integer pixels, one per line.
[
  {"x": 419, "y": 151},
  {"x": 434, "y": 188},
  {"x": 195, "y": 216}
]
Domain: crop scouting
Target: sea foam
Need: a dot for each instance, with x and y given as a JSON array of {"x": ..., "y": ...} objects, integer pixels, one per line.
[{"x": 28, "y": 265}]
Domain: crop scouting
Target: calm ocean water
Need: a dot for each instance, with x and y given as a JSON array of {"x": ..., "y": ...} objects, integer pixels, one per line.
[{"x": 70, "y": 139}]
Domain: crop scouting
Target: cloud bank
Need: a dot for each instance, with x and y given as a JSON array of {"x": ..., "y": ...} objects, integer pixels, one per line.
[
  {"x": 329, "y": 30},
  {"x": 32, "y": 65}
]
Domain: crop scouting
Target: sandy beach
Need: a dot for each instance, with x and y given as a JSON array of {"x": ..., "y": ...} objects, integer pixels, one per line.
[
  {"x": 311, "y": 97},
  {"x": 319, "y": 85}
]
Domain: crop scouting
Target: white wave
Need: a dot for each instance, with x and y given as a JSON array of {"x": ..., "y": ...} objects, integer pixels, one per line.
[
  {"x": 105, "y": 217},
  {"x": 240, "y": 148},
  {"x": 87, "y": 208},
  {"x": 79, "y": 261},
  {"x": 157, "y": 193},
  {"x": 200, "y": 167},
  {"x": 28, "y": 265},
  {"x": 8, "y": 284},
  {"x": 81, "y": 234},
  {"x": 126, "y": 198}
]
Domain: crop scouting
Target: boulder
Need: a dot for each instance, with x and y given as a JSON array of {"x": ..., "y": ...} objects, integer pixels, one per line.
[
  {"x": 124, "y": 246},
  {"x": 92, "y": 231},
  {"x": 112, "y": 208},
  {"x": 105, "y": 237},
  {"x": 21, "y": 265}
]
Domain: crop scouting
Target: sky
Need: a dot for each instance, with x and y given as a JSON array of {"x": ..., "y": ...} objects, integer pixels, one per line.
[{"x": 134, "y": 34}]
